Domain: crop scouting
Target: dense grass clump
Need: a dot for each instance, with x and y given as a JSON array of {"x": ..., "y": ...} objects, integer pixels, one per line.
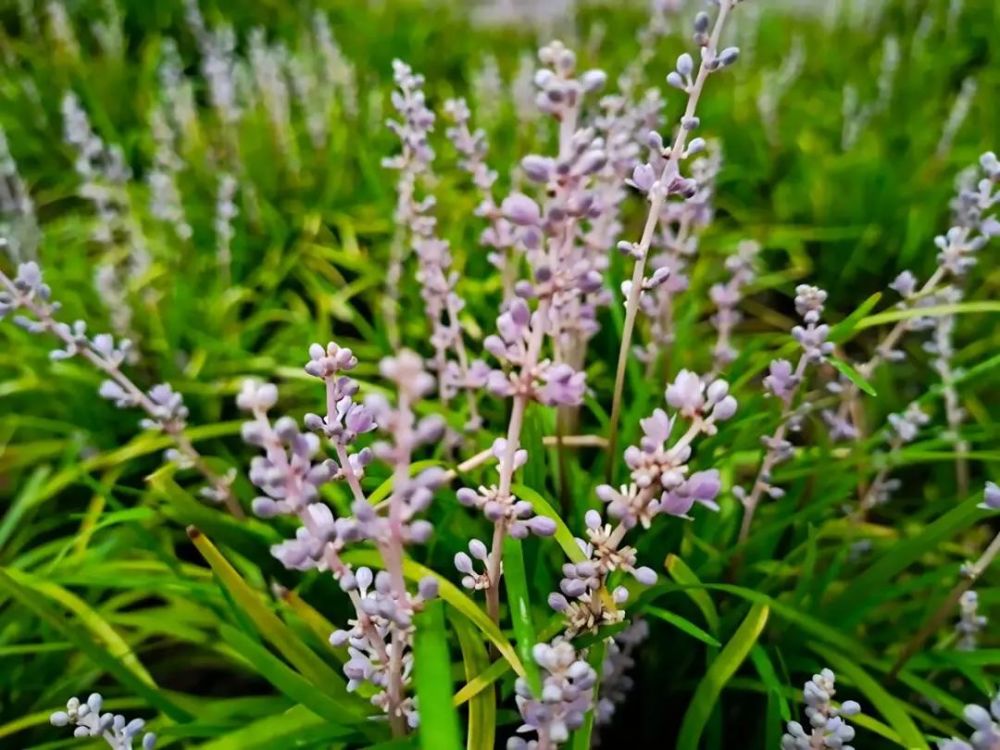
[{"x": 499, "y": 374}]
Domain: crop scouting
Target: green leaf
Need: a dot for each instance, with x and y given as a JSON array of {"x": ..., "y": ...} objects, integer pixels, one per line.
[
  {"x": 932, "y": 311},
  {"x": 683, "y": 575},
  {"x": 439, "y": 725},
  {"x": 279, "y": 635},
  {"x": 453, "y": 596},
  {"x": 89, "y": 618},
  {"x": 582, "y": 738},
  {"x": 722, "y": 668},
  {"x": 768, "y": 676},
  {"x": 293, "y": 728},
  {"x": 290, "y": 682},
  {"x": 868, "y": 587},
  {"x": 482, "y": 706},
  {"x": 682, "y": 624},
  {"x": 890, "y": 708},
  {"x": 516, "y": 583},
  {"x": 851, "y": 374},
  {"x": 843, "y": 330},
  {"x": 96, "y": 652}
]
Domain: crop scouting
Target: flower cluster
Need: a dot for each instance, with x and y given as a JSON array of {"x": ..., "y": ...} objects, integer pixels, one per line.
[
  {"x": 783, "y": 382},
  {"x": 517, "y": 344},
  {"x": 986, "y": 726},
  {"x": 827, "y": 726},
  {"x": 726, "y": 298},
  {"x": 618, "y": 661},
  {"x": 438, "y": 280},
  {"x": 974, "y": 224},
  {"x": 290, "y": 475},
  {"x": 903, "y": 428},
  {"x": 970, "y": 622},
  {"x": 18, "y": 223},
  {"x": 104, "y": 176},
  {"x": 116, "y": 730},
  {"x": 661, "y": 483},
  {"x": 567, "y": 694},
  {"x": 164, "y": 193},
  {"x": 164, "y": 407}
]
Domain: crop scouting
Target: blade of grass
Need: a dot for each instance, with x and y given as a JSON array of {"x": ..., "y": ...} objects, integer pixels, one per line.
[
  {"x": 721, "y": 669},
  {"x": 439, "y": 725},
  {"x": 685, "y": 626},
  {"x": 516, "y": 583},
  {"x": 481, "y": 733},
  {"x": 270, "y": 626}
]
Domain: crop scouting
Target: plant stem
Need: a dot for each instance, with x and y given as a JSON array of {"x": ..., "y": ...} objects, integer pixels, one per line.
[
  {"x": 770, "y": 457},
  {"x": 933, "y": 623},
  {"x": 652, "y": 220},
  {"x": 175, "y": 431}
]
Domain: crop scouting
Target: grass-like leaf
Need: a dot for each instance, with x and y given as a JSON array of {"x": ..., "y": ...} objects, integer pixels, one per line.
[
  {"x": 516, "y": 584},
  {"x": 851, "y": 374},
  {"x": 432, "y": 677},
  {"x": 719, "y": 671},
  {"x": 682, "y": 624},
  {"x": 482, "y": 706}
]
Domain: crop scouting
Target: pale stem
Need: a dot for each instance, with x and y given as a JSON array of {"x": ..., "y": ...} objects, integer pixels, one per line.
[
  {"x": 652, "y": 219},
  {"x": 494, "y": 564},
  {"x": 392, "y": 553},
  {"x": 181, "y": 441},
  {"x": 771, "y": 456},
  {"x": 970, "y": 575}
]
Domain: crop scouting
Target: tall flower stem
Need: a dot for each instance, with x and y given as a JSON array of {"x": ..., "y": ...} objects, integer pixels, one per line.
[
  {"x": 887, "y": 344},
  {"x": 970, "y": 575},
  {"x": 770, "y": 457},
  {"x": 181, "y": 441},
  {"x": 652, "y": 220},
  {"x": 494, "y": 563}
]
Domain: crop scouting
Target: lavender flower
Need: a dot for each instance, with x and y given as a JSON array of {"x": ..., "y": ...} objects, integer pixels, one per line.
[
  {"x": 784, "y": 383},
  {"x": 970, "y": 622},
  {"x": 339, "y": 74},
  {"x": 991, "y": 497},
  {"x": 414, "y": 160},
  {"x": 472, "y": 147},
  {"x": 660, "y": 484},
  {"x": 974, "y": 225},
  {"x": 116, "y": 730},
  {"x": 618, "y": 661},
  {"x": 986, "y": 734},
  {"x": 438, "y": 280},
  {"x": 225, "y": 212},
  {"x": 164, "y": 198},
  {"x": 18, "y": 223},
  {"x": 565, "y": 282},
  {"x": 666, "y": 165},
  {"x": 903, "y": 429},
  {"x": 827, "y": 725},
  {"x": 567, "y": 695},
  {"x": 727, "y": 297},
  {"x": 104, "y": 182},
  {"x": 164, "y": 407},
  {"x": 290, "y": 475},
  {"x": 268, "y": 64}
]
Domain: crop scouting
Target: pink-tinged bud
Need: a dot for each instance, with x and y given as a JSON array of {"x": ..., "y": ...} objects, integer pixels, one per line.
[{"x": 521, "y": 210}]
